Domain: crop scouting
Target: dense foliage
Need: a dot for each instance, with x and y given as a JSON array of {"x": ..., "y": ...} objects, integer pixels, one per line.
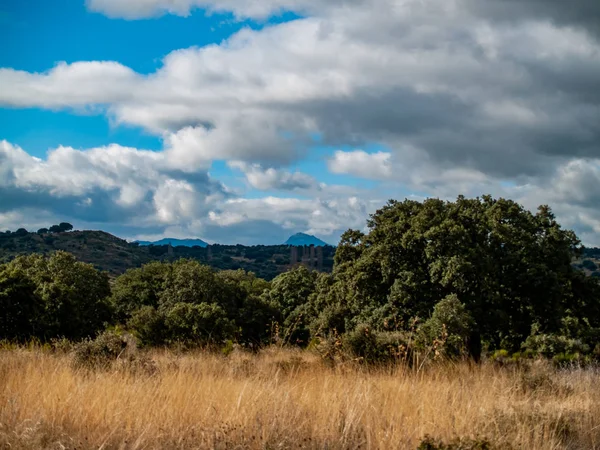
[{"x": 448, "y": 278}]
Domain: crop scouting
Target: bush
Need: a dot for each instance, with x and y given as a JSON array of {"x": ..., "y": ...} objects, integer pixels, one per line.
[
  {"x": 429, "y": 443},
  {"x": 589, "y": 264},
  {"x": 375, "y": 347},
  {"x": 550, "y": 345},
  {"x": 99, "y": 353},
  {"x": 448, "y": 330},
  {"x": 148, "y": 325}
]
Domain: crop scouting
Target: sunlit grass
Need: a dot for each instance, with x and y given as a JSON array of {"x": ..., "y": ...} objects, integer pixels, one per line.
[{"x": 289, "y": 399}]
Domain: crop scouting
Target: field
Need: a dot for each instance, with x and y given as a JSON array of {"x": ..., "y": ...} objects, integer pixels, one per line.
[{"x": 289, "y": 399}]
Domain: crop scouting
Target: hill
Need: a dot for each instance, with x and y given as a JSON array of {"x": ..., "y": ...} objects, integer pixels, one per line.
[
  {"x": 300, "y": 239},
  {"x": 115, "y": 255},
  {"x": 103, "y": 250},
  {"x": 176, "y": 242}
]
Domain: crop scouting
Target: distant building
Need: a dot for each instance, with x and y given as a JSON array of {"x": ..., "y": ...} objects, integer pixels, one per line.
[
  {"x": 320, "y": 258},
  {"x": 293, "y": 255}
]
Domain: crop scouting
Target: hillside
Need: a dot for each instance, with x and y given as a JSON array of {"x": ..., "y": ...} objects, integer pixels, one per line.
[
  {"x": 103, "y": 250},
  {"x": 115, "y": 255}
]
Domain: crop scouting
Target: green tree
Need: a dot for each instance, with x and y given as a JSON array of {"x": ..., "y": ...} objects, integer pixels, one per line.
[
  {"x": 20, "y": 307},
  {"x": 201, "y": 323},
  {"x": 65, "y": 226},
  {"x": 148, "y": 325},
  {"x": 289, "y": 295},
  {"x": 74, "y": 294},
  {"x": 139, "y": 287},
  {"x": 509, "y": 267},
  {"x": 250, "y": 312},
  {"x": 188, "y": 281}
]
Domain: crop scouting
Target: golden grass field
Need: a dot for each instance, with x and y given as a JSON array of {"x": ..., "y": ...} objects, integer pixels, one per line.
[{"x": 289, "y": 399}]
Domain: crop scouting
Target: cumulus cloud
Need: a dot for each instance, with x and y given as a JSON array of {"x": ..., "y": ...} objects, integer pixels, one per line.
[
  {"x": 79, "y": 84},
  {"x": 139, "y": 194},
  {"x": 465, "y": 96},
  {"x": 504, "y": 98},
  {"x": 107, "y": 184},
  {"x": 584, "y": 13},
  {"x": 273, "y": 179},
  {"x": 361, "y": 164},
  {"x": 327, "y": 218}
]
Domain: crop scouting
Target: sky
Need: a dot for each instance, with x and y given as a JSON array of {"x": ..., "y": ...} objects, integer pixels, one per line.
[{"x": 244, "y": 121}]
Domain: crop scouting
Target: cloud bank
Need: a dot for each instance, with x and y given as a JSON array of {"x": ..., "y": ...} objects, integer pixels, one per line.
[{"x": 464, "y": 96}]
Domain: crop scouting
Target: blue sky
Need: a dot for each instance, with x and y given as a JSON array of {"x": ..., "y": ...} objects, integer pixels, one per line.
[{"x": 242, "y": 121}]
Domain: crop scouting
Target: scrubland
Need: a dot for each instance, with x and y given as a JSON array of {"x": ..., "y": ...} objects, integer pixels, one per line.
[{"x": 282, "y": 398}]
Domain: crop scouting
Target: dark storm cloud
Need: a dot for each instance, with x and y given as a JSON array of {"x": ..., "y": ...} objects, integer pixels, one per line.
[{"x": 582, "y": 13}]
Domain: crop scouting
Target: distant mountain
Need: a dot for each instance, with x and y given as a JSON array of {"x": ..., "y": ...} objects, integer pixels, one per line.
[
  {"x": 176, "y": 242},
  {"x": 305, "y": 239}
]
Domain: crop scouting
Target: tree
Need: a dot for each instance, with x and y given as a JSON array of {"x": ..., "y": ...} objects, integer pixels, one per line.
[
  {"x": 42, "y": 231},
  {"x": 55, "y": 229},
  {"x": 20, "y": 306},
  {"x": 251, "y": 313},
  {"x": 74, "y": 295},
  {"x": 65, "y": 226},
  {"x": 21, "y": 232},
  {"x": 289, "y": 295},
  {"x": 509, "y": 267},
  {"x": 137, "y": 288},
  {"x": 201, "y": 323},
  {"x": 188, "y": 281}
]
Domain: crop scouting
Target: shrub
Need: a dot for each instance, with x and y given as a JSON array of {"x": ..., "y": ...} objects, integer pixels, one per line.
[
  {"x": 448, "y": 330},
  {"x": 99, "y": 353},
  {"x": 148, "y": 325},
  {"x": 589, "y": 264},
  {"x": 550, "y": 345},
  {"x": 375, "y": 347},
  {"x": 429, "y": 443}
]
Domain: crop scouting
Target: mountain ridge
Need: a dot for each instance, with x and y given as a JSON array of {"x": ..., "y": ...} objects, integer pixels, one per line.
[
  {"x": 300, "y": 239},
  {"x": 175, "y": 242}
]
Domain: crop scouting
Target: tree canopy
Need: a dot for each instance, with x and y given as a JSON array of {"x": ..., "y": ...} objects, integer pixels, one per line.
[{"x": 510, "y": 267}]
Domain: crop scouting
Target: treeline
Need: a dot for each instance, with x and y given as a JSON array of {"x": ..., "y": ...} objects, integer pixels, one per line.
[
  {"x": 60, "y": 228},
  {"x": 452, "y": 279},
  {"x": 266, "y": 261}
]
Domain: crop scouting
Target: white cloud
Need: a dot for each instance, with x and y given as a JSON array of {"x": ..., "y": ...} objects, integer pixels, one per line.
[
  {"x": 455, "y": 85},
  {"x": 274, "y": 179},
  {"x": 138, "y": 191},
  {"x": 140, "y": 9},
  {"x": 324, "y": 217},
  {"x": 465, "y": 96},
  {"x": 76, "y": 85},
  {"x": 107, "y": 183},
  {"x": 361, "y": 164}
]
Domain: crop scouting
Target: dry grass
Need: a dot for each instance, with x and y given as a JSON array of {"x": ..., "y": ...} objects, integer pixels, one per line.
[{"x": 285, "y": 399}]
